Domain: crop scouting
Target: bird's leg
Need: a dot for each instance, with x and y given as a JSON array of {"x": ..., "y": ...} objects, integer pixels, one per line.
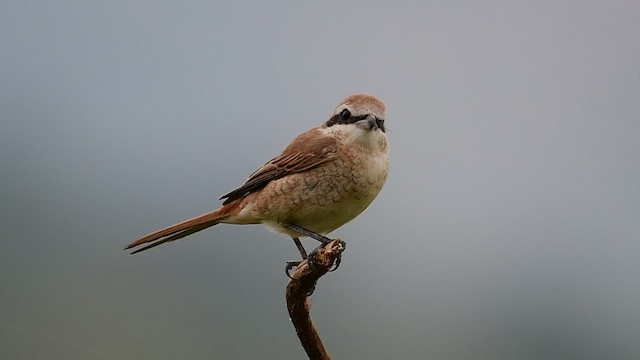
[
  {"x": 303, "y": 253},
  {"x": 306, "y": 232},
  {"x": 310, "y": 258},
  {"x": 301, "y": 249}
]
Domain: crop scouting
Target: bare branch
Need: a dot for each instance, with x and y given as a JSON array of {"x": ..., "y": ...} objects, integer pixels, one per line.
[{"x": 302, "y": 284}]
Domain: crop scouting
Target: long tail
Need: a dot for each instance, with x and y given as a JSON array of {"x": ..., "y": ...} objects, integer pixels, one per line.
[{"x": 179, "y": 230}]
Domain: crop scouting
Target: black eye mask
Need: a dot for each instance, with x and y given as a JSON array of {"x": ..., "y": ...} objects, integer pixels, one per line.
[{"x": 345, "y": 117}]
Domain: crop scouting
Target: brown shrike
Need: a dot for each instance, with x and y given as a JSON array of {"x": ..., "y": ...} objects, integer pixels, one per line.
[{"x": 323, "y": 179}]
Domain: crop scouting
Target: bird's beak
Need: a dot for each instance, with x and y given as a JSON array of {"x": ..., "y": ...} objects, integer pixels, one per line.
[{"x": 368, "y": 123}]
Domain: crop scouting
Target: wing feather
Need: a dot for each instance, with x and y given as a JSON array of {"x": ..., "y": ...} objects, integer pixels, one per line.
[{"x": 305, "y": 152}]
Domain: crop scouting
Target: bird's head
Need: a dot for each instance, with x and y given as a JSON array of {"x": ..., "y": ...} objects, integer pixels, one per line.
[{"x": 363, "y": 110}]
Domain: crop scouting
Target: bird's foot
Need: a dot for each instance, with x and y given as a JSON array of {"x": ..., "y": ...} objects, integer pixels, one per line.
[
  {"x": 341, "y": 246},
  {"x": 295, "y": 263},
  {"x": 290, "y": 265},
  {"x": 311, "y": 258}
]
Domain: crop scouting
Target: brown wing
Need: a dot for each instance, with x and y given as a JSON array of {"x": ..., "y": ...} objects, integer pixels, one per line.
[{"x": 305, "y": 152}]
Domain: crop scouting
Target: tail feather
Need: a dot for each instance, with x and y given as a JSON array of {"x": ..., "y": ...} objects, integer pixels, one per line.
[{"x": 178, "y": 231}]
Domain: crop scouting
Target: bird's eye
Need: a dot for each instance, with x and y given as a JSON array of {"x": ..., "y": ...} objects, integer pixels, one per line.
[{"x": 345, "y": 114}]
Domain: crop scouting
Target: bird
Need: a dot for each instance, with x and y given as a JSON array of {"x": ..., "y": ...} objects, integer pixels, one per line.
[{"x": 323, "y": 179}]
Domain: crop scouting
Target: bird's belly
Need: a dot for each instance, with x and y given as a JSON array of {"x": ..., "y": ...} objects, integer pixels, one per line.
[
  {"x": 333, "y": 213},
  {"x": 321, "y": 216},
  {"x": 320, "y": 200}
]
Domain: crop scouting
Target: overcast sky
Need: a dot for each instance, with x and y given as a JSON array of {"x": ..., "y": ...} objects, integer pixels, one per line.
[{"x": 509, "y": 227}]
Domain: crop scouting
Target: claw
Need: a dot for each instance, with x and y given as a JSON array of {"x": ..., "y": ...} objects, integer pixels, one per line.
[
  {"x": 290, "y": 265},
  {"x": 311, "y": 291},
  {"x": 336, "y": 265}
]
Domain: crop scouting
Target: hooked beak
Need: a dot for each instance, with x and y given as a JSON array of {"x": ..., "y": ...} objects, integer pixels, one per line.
[{"x": 368, "y": 123}]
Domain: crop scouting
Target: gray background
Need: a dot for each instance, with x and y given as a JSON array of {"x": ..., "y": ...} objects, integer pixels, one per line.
[{"x": 508, "y": 228}]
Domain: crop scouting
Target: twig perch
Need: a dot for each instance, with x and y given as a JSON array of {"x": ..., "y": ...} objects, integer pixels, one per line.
[{"x": 302, "y": 283}]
